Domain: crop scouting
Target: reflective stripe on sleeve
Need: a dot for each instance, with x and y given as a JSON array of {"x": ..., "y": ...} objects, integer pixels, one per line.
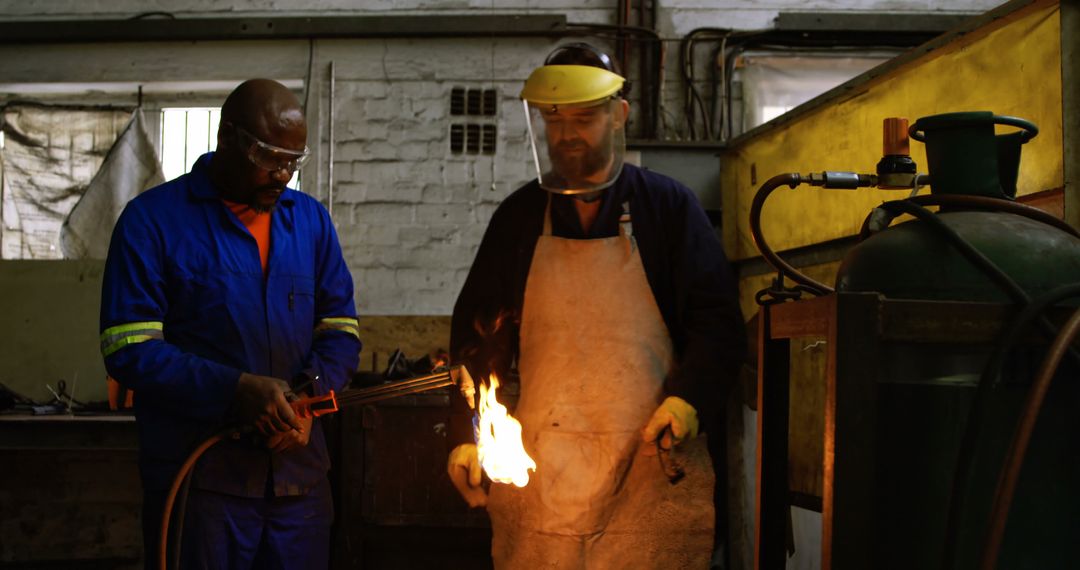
[
  {"x": 119, "y": 336},
  {"x": 344, "y": 324}
]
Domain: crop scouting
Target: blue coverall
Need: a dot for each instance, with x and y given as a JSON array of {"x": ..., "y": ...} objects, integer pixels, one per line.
[{"x": 185, "y": 310}]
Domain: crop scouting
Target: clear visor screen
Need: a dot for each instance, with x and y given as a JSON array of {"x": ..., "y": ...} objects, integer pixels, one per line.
[{"x": 578, "y": 149}]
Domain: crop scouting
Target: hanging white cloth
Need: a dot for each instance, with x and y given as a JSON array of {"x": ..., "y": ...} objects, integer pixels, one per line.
[{"x": 131, "y": 167}]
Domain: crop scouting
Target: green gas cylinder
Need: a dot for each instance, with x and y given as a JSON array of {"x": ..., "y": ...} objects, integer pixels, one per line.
[
  {"x": 913, "y": 261},
  {"x": 926, "y": 390}
]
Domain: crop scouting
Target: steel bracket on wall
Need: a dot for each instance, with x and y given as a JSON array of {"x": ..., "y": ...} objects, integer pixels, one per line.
[
  {"x": 868, "y": 22},
  {"x": 278, "y": 28}
]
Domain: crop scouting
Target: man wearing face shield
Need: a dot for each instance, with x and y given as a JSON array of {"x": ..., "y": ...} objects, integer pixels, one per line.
[
  {"x": 578, "y": 146},
  {"x": 606, "y": 288},
  {"x": 225, "y": 294}
]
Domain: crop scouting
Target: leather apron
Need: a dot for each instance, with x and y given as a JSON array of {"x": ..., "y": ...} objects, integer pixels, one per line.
[{"x": 594, "y": 355}]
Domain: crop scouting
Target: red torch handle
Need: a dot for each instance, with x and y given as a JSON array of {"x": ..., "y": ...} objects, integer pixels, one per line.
[{"x": 315, "y": 406}]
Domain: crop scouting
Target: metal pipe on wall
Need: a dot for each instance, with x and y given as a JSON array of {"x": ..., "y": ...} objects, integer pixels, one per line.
[
  {"x": 330, "y": 149},
  {"x": 279, "y": 28},
  {"x": 622, "y": 46},
  {"x": 646, "y": 62},
  {"x": 646, "y": 38}
]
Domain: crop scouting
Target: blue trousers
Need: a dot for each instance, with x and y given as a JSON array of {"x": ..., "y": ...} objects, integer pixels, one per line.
[{"x": 224, "y": 532}]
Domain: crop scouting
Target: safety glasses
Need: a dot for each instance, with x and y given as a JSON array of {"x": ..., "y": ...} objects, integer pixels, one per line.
[{"x": 268, "y": 156}]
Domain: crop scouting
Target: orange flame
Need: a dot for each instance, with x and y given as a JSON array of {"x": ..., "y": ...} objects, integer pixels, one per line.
[{"x": 498, "y": 441}]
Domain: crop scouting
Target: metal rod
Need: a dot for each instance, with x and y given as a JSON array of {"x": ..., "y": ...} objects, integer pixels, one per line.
[
  {"x": 367, "y": 398},
  {"x": 186, "y": 113},
  {"x": 394, "y": 386},
  {"x": 330, "y": 150},
  {"x": 364, "y": 396}
]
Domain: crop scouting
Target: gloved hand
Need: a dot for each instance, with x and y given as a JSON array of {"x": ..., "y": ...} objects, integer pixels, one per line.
[
  {"x": 674, "y": 412},
  {"x": 465, "y": 473},
  {"x": 261, "y": 401}
]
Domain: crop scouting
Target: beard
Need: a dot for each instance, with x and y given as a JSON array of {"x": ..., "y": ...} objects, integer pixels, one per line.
[
  {"x": 253, "y": 198},
  {"x": 576, "y": 161},
  {"x": 237, "y": 180},
  {"x": 262, "y": 208}
]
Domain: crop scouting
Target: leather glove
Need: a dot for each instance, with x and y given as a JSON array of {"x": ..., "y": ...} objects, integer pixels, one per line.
[
  {"x": 465, "y": 473},
  {"x": 676, "y": 413}
]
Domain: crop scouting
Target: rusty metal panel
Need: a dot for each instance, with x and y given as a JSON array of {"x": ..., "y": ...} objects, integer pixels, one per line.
[
  {"x": 69, "y": 501},
  {"x": 806, "y": 425},
  {"x": 804, "y": 318},
  {"x": 405, "y": 481},
  {"x": 942, "y": 321},
  {"x": 393, "y": 494},
  {"x": 393, "y": 465}
]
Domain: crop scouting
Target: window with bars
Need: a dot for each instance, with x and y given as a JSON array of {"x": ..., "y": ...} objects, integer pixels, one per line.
[
  {"x": 478, "y": 135},
  {"x": 186, "y": 134},
  {"x": 476, "y": 102},
  {"x": 63, "y": 152}
]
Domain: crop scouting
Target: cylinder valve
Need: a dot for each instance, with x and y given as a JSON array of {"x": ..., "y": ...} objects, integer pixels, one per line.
[{"x": 896, "y": 170}]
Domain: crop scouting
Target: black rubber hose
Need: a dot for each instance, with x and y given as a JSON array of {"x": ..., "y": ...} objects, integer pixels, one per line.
[
  {"x": 688, "y": 78},
  {"x": 791, "y": 179},
  {"x": 692, "y": 95},
  {"x": 987, "y": 203},
  {"x": 1010, "y": 472},
  {"x": 976, "y": 416},
  {"x": 981, "y": 203},
  {"x": 976, "y": 257}
]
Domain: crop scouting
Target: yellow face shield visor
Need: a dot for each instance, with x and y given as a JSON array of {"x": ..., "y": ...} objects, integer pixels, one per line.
[
  {"x": 570, "y": 85},
  {"x": 576, "y": 123}
]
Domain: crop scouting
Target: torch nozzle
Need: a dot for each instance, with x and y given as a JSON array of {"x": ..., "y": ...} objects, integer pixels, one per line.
[{"x": 465, "y": 384}]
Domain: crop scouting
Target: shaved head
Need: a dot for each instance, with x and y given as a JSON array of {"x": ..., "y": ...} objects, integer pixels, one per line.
[
  {"x": 258, "y": 114},
  {"x": 264, "y": 108}
]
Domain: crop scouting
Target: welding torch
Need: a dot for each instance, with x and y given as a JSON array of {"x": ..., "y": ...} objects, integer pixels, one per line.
[
  {"x": 322, "y": 405},
  {"x": 316, "y": 406}
]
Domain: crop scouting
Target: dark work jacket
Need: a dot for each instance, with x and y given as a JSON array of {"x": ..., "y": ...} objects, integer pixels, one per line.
[
  {"x": 186, "y": 309},
  {"x": 683, "y": 260}
]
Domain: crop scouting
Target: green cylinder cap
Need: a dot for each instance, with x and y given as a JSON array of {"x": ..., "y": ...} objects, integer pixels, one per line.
[{"x": 964, "y": 155}]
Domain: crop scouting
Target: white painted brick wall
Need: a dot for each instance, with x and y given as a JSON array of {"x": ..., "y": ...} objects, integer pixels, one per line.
[{"x": 409, "y": 213}]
